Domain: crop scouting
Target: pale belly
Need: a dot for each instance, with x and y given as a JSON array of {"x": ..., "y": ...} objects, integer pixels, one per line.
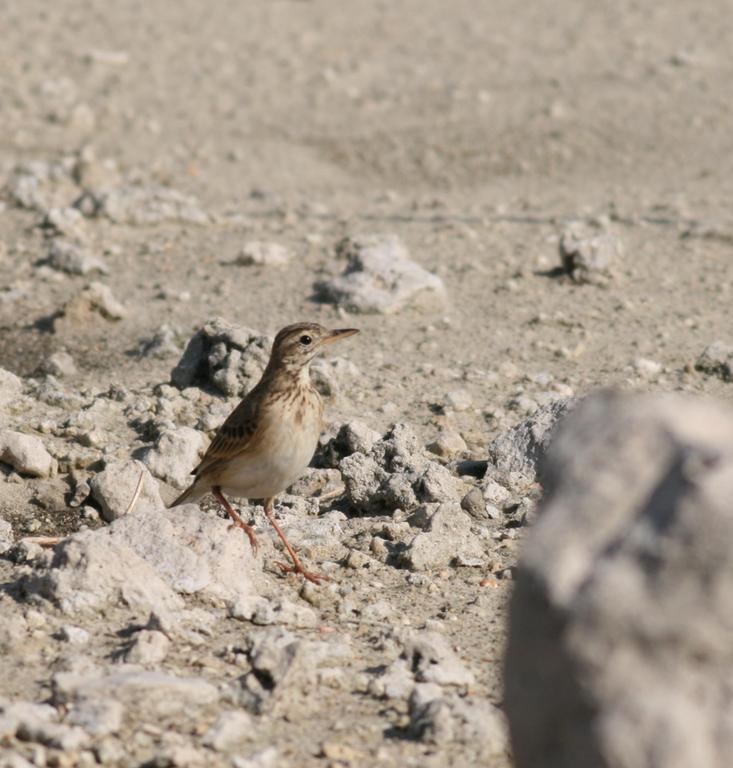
[{"x": 284, "y": 453}]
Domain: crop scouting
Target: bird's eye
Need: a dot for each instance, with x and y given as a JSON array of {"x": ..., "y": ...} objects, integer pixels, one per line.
[{"x": 306, "y": 340}]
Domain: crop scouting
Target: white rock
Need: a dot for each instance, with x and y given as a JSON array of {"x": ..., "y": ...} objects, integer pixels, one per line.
[
  {"x": 269, "y": 757},
  {"x": 447, "y": 444},
  {"x": 648, "y": 369},
  {"x": 380, "y": 277},
  {"x": 258, "y": 253},
  {"x": 66, "y": 221},
  {"x": 74, "y": 635},
  {"x": 149, "y": 647},
  {"x": 230, "y": 729},
  {"x": 59, "y": 364},
  {"x": 74, "y": 259},
  {"x": 175, "y": 455},
  {"x": 26, "y": 454},
  {"x": 10, "y": 386},
  {"x": 458, "y": 400},
  {"x": 149, "y": 205},
  {"x": 114, "y": 488},
  {"x": 97, "y": 716},
  {"x": 90, "y": 570}
]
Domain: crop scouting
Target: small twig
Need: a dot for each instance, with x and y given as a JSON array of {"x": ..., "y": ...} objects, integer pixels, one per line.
[
  {"x": 331, "y": 495},
  {"x": 136, "y": 495},
  {"x": 42, "y": 541}
]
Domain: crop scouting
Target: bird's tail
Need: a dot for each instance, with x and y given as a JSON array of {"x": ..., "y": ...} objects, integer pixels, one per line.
[{"x": 192, "y": 494}]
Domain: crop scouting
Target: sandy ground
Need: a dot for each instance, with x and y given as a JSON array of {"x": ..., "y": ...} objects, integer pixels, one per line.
[{"x": 475, "y": 132}]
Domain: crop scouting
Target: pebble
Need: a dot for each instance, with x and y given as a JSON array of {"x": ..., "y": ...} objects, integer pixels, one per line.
[
  {"x": 263, "y": 254},
  {"x": 26, "y": 454},
  {"x": 447, "y": 444},
  {"x": 59, "y": 364}
]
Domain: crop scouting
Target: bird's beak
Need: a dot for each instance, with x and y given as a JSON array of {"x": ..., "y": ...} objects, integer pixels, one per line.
[{"x": 337, "y": 335}]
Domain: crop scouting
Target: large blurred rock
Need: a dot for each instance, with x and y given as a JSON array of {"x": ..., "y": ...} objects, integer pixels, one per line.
[
  {"x": 380, "y": 277},
  {"x": 228, "y": 357},
  {"x": 619, "y": 649}
]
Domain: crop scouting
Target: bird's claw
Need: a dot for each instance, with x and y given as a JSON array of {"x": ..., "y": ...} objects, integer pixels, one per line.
[
  {"x": 315, "y": 578},
  {"x": 250, "y": 535}
]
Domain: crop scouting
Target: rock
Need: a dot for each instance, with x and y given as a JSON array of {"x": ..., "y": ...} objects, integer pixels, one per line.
[
  {"x": 74, "y": 635},
  {"x": 261, "y": 254},
  {"x": 148, "y": 205},
  {"x": 395, "y": 473},
  {"x": 97, "y": 716},
  {"x": 329, "y": 375},
  {"x": 114, "y": 488},
  {"x": 521, "y": 449},
  {"x": 10, "y": 386},
  {"x": 59, "y": 364},
  {"x": 647, "y": 369},
  {"x": 148, "y": 647},
  {"x": 269, "y": 757},
  {"x": 228, "y": 357},
  {"x": 717, "y": 360},
  {"x": 6, "y": 536},
  {"x": 176, "y": 453},
  {"x": 380, "y": 278},
  {"x": 621, "y": 615},
  {"x": 74, "y": 259},
  {"x": 442, "y": 720},
  {"x": 261, "y": 611},
  {"x": 352, "y": 437},
  {"x": 65, "y": 221},
  {"x": 447, "y": 538},
  {"x": 396, "y": 682},
  {"x": 26, "y": 454},
  {"x": 193, "y": 552},
  {"x": 432, "y": 660},
  {"x": 163, "y": 343},
  {"x": 589, "y": 258},
  {"x": 230, "y": 729},
  {"x": 447, "y": 444},
  {"x": 39, "y": 723},
  {"x": 458, "y": 400},
  {"x": 90, "y": 570},
  {"x": 96, "y": 299},
  {"x": 151, "y": 695}
]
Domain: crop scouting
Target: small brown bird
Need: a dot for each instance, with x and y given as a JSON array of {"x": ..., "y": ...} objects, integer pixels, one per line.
[{"x": 270, "y": 437}]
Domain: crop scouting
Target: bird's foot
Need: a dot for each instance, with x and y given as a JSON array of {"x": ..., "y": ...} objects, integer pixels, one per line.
[
  {"x": 315, "y": 578},
  {"x": 250, "y": 533}
]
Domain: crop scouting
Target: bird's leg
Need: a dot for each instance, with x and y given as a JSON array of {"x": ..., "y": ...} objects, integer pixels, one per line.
[
  {"x": 236, "y": 519},
  {"x": 297, "y": 566}
]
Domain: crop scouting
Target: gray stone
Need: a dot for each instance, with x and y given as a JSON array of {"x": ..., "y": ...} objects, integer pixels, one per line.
[
  {"x": 260, "y": 610},
  {"x": 149, "y": 205},
  {"x": 396, "y": 474},
  {"x": 90, "y": 570},
  {"x": 227, "y": 357},
  {"x": 74, "y": 258},
  {"x": 114, "y": 488},
  {"x": 447, "y": 444},
  {"x": 97, "y": 716},
  {"x": 175, "y": 454},
  {"x": 74, "y": 635},
  {"x": 66, "y": 221},
  {"x": 163, "y": 343},
  {"x": 228, "y": 731},
  {"x": 262, "y": 254},
  {"x": 589, "y": 258},
  {"x": 149, "y": 694},
  {"x": 193, "y": 552},
  {"x": 380, "y": 278},
  {"x": 148, "y": 647},
  {"x": 26, "y": 454},
  {"x": 444, "y": 720},
  {"x": 94, "y": 300},
  {"x": 432, "y": 660},
  {"x": 717, "y": 360},
  {"x": 269, "y": 757},
  {"x": 10, "y": 386},
  {"x": 522, "y": 448},
  {"x": 59, "y": 364},
  {"x": 6, "y": 536},
  {"x": 622, "y": 611},
  {"x": 447, "y": 539},
  {"x": 330, "y": 375}
]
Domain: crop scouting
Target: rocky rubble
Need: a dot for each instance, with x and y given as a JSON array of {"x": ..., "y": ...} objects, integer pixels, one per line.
[
  {"x": 380, "y": 277},
  {"x": 621, "y": 616}
]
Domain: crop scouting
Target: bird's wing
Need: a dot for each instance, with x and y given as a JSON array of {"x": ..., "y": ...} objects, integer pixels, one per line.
[{"x": 233, "y": 438}]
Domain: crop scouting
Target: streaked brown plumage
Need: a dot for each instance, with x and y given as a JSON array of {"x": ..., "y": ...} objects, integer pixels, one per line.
[{"x": 269, "y": 438}]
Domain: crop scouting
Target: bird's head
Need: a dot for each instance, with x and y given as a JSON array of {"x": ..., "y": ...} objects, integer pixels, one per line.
[{"x": 296, "y": 345}]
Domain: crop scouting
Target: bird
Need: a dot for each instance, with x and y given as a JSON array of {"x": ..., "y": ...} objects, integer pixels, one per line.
[{"x": 269, "y": 439}]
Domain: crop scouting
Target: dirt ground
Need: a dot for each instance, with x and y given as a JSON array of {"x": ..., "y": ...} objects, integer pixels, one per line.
[{"x": 474, "y": 131}]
